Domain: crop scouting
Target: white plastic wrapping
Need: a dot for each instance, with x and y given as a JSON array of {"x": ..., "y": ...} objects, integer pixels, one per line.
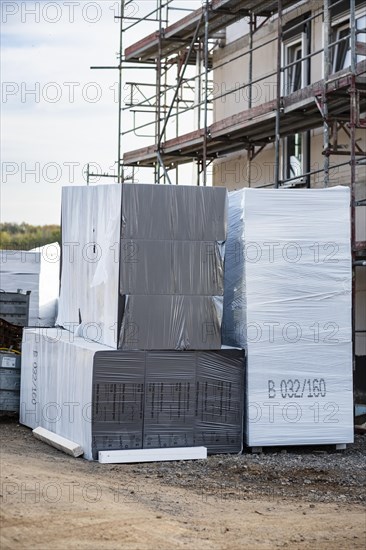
[
  {"x": 104, "y": 399},
  {"x": 56, "y": 384},
  {"x": 287, "y": 301},
  {"x": 142, "y": 265},
  {"x": 91, "y": 225},
  {"x": 35, "y": 270}
]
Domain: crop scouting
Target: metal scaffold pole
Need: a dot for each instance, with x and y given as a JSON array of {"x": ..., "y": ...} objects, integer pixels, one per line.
[
  {"x": 119, "y": 156},
  {"x": 251, "y": 33},
  {"x": 326, "y": 71},
  {"x": 278, "y": 111},
  {"x": 353, "y": 109},
  {"x": 250, "y": 150},
  {"x": 158, "y": 92},
  {"x": 204, "y": 156},
  {"x": 352, "y": 124}
]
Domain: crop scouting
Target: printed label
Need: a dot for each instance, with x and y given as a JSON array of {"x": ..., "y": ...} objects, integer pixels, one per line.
[{"x": 9, "y": 362}]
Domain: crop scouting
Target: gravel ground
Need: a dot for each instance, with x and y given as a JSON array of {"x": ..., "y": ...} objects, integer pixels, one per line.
[
  {"x": 300, "y": 499},
  {"x": 319, "y": 474},
  {"x": 312, "y": 474}
]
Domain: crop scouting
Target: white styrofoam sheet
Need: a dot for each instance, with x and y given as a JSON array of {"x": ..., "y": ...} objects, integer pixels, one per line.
[
  {"x": 90, "y": 261},
  {"x": 152, "y": 455},
  {"x": 37, "y": 271},
  {"x": 56, "y": 384},
  {"x": 61, "y": 443},
  {"x": 288, "y": 302}
]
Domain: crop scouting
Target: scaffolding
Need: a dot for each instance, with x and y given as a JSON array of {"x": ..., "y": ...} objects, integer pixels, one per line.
[
  {"x": 189, "y": 43},
  {"x": 166, "y": 86}
]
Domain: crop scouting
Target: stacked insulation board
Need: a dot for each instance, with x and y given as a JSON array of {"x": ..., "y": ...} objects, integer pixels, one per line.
[
  {"x": 136, "y": 362},
  {"x": 9, "y": 381},
  {"x": 106, "y": 399},
  {"x": 35, "y": 271},
  {"x": 143, "y": 265},
  {"x": 288, "y": 281}
]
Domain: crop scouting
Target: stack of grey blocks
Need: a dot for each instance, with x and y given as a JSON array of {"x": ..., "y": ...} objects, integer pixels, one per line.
[
  {"x": 171, "y": 267},
  {"x": 156, "y": 399},
  {"x": 164, "y": 380}
]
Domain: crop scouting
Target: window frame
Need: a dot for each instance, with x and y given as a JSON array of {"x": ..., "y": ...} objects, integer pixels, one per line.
[
  {"x": 303, "y": 40},
  {"x": 300, "y": 40},
  {"x": 339, "y": 23},
  {"x": 304, "y": 162}
]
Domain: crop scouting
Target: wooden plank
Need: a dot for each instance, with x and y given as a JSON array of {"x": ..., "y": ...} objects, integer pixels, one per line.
[
  {"x": 152, "y": 455},
  {"x": 258, "y": 7},
  {"x": 60, "y": 443}
]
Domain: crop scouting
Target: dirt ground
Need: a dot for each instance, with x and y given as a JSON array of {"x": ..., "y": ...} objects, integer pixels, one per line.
[{"x": 295, "y": 499}]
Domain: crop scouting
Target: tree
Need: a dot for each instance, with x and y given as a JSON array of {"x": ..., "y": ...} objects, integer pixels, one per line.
[{"x": 24, "y": 236}]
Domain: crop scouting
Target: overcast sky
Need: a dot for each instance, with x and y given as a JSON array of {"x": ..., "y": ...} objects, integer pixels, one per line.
[{"x": 57, "y": 114}]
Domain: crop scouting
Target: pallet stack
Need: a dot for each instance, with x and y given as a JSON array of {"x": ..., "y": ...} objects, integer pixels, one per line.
[
  {"x": 152, "y": 284},
  {"x": 143, "y": 265},
  {"x": 288, "y": 303},
  {"x": 36, "y": 272},
  {"x": 137, "y": 351}
]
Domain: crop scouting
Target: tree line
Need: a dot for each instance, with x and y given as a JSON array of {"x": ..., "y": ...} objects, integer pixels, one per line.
[{"x": 23, "y": 236}]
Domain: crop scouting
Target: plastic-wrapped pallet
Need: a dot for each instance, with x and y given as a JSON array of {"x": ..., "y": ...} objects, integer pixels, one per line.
[
  {"x": 142, "y": 265},
  {"x": 105, "y": 399},
  {"x": 9, "y": 381},
  {"x": 288, "y": 280},
  {"x": 36, "y": 271}
]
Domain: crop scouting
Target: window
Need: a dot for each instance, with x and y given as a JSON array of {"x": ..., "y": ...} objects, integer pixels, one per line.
[
  {"x": 296, "y": 45},
  {"x": 341, "y": 51},
  {"x": 293, "y": 72},
  {"x": 295, "y": 68},
  {"x": 293, "y": 156},
  {"x": 295, "y": 76}
]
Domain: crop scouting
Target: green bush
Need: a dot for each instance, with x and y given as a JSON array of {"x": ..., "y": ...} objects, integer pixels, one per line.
[{"x": 24, "y": 236}]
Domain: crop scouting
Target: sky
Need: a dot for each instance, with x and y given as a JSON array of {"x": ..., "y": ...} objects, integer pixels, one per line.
[{"x": 58, "y": 115}]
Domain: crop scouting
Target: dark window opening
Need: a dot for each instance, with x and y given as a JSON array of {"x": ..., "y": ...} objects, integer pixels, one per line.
[{"x": 294, "y": 156}]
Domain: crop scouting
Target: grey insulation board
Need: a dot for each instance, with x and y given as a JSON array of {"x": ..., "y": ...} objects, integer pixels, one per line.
[
  {"x": 179, "y": 212},
  {"x": 219, "y": 401},
  {"x": 118, "y": 400},
  {"x": 169, "y": 399},
  {"x": 14, "y": 306},
  {"x": 171, "y": 267},
  {"x": 171, "y": 322},
  {"x": 143, "y": 251},
  {"x": 106, "y": 399},
  {"x": 157, "y": 399}
]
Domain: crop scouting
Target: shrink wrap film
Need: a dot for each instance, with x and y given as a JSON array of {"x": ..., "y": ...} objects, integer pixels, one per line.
[
  {"x": 288, "y": 295},
  {"x": 104, "y": 399}
]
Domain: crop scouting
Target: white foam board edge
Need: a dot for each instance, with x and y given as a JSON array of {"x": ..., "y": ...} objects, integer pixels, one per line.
[
  {"x": 152, "y": 455},
  {"x": 60, "y": 443}
]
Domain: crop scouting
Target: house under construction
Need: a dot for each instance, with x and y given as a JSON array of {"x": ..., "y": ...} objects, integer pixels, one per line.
[{"x": 249, "y": 93}]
